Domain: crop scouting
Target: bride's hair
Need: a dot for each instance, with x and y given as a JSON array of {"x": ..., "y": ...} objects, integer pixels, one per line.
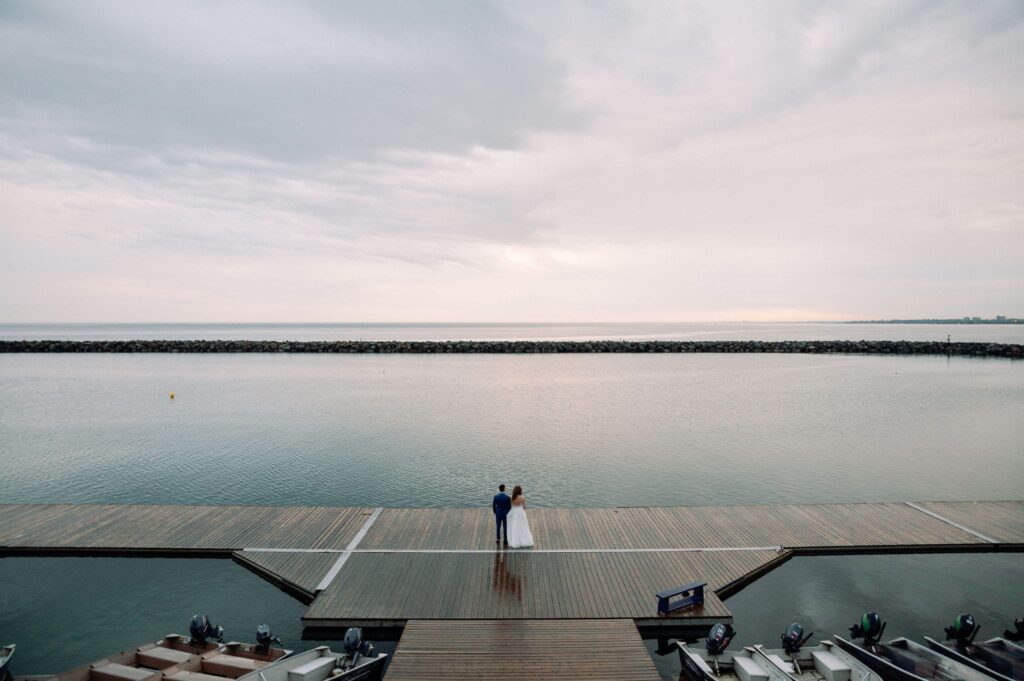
[{"x": 517, "y": 491}]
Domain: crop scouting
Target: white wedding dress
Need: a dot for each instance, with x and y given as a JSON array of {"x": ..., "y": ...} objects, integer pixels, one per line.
[{"x": 519, "y": 535}]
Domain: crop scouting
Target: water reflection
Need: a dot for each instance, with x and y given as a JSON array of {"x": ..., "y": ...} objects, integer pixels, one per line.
[{"x": 505, "y": 581}]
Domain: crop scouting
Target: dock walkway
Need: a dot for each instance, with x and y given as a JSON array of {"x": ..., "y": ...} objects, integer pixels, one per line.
[
  {"x": 556, "y": 650},
  {"x": 384, "y": 567}
]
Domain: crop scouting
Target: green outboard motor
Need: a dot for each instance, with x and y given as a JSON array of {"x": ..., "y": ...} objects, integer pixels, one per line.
[
  {"x": 793, "y": 640},
  {"x": 963, "y": 630},
  {"x": 870, "y": 628},
  {"x": 1017, "y": 635}
]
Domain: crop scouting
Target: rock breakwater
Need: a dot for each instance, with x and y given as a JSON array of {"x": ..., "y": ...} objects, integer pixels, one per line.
[{"x": 1010, "y": 350}]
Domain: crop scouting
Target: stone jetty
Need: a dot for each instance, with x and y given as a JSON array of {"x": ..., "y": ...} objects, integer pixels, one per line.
[{"x": 1009, "y": 350}]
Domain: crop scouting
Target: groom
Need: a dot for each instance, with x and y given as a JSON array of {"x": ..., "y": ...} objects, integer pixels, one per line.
[{"x": 501, "y": 505}]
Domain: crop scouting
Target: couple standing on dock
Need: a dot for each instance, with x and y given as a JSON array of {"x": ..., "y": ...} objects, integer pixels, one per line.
[{"x": 510, "y": 515}]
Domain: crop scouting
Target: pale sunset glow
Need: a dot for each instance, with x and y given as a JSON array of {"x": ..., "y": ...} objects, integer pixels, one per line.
[{"x": 527, "y": 161}]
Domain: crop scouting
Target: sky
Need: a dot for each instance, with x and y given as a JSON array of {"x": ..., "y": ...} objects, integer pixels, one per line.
[{"x": 510, "y": 162}]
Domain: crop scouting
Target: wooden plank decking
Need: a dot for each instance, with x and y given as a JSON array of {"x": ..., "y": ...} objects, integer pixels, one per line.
[
  {"x": 391, "y": 565},
  {"x": 373, "y": 587},
  {"x": 300, "y": 572},
  {"x": 231, "y": 528},
  {"x": 1001, "y": 520},
  {"x": 185, "y": 528},
  {"x": 538, "y": 649},
  {"x": 806, "y": 526}
]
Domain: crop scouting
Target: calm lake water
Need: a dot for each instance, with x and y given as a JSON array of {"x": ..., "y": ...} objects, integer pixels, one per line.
[{"x": 575, "y": 430}]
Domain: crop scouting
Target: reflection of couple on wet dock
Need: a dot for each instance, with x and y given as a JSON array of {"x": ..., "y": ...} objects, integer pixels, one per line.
[{"x": 503, "y": 580}]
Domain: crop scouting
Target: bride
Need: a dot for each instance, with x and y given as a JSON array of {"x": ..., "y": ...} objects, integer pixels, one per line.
[{"x": 519, "y": 535}]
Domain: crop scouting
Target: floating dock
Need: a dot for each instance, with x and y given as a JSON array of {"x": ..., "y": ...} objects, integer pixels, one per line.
[{"x": 434, "y": 571}]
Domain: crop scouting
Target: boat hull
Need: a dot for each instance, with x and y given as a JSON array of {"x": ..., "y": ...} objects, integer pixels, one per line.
[
  {"x": 314, "y": 664},
  {"x": 894, "y": 657},
  {"x": 990, "y": 658}
]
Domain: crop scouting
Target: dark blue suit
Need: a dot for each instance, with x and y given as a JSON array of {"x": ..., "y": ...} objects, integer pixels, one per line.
[{"x": 501, "y": 506}]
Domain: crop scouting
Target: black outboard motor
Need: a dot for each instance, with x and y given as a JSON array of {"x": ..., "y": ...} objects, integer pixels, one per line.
[
  {"x": 264, "y": 639},
  {"x": 719, "y": 638},
  {"x": 201, "y": 629},
  {"x": 353, "y": 640},
  {"x": 963, "y": 630},
  {"x": 793, "y": 640},
  {"x": 355, "y": 648},
  {"x": 1018, "y": 635},
  {"x": 870, "y": 628}
]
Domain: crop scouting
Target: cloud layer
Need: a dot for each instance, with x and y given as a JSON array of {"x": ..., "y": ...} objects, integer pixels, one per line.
[{"x": 513, "y": 162}]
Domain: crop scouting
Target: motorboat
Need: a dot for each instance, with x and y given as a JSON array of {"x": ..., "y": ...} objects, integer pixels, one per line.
[
  {"x": 6, "y": 653},
  {"x": 1001, "y": 659},
  {"x": 359, "y": 661},
  {"x": 202, "y": 656},
  {"x": 793, "y": 662},
  {"x": 901, "y": 659}
]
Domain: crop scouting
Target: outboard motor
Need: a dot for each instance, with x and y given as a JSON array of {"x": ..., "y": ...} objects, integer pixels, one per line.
[
  {"x": 353, "y": 640},
  {"x": 1017, "y": 635},
  {"x": 963, "y": 630},
  {"x": 201, "y": 629},
  {"x": 793, "y": 640},
  {"x": 719, "y": 638},
  {"x": 870, "y": 628},
  {"x": 264, "y": 639},
  {"x": 355, "y": 647}
]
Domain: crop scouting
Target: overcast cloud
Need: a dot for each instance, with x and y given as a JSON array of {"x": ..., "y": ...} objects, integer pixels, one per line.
[{"x": 463, "y": 161}]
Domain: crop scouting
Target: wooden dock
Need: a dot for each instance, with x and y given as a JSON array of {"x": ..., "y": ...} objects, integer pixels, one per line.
[
  {"x": 384, "y": 567},
  {"x": 441, "y": 650}
]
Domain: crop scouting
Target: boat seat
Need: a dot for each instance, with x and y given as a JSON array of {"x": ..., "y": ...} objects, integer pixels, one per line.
[
  {"x": 784, "y": 665},
  {"x": 158, "y": 657},
  {"x": 701, "y": 664},
  {"x": 830, "y": 666},
  {"x": 314, "y": 670},
  {"x": 748, "y": 670},
  {"x": 112, "y": 671},
  {"x": 231, "y": 666},
  {"x": 910, "y": 662},
  {"x": 193, "y": 676}
]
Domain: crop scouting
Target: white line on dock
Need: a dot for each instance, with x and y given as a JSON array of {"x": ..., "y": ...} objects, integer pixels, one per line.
[
  {"x": 333, "y": 572},
  {"x": 679, "y": 549},
  {"x": 946, "y": 520}
]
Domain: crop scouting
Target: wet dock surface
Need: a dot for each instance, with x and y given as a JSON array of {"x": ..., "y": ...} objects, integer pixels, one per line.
[
  {"x": 536, "y": 649},
  {"x": 384, "y": 567}
]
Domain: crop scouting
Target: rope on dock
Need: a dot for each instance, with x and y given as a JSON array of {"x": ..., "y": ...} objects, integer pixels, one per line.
[{"x": 946, "y": 520}]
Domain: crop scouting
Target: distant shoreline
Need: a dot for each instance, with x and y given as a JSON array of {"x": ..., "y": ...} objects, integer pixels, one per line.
[
  {"x": 863, "y": 347},
  {"x": 962, "y": 320}
]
